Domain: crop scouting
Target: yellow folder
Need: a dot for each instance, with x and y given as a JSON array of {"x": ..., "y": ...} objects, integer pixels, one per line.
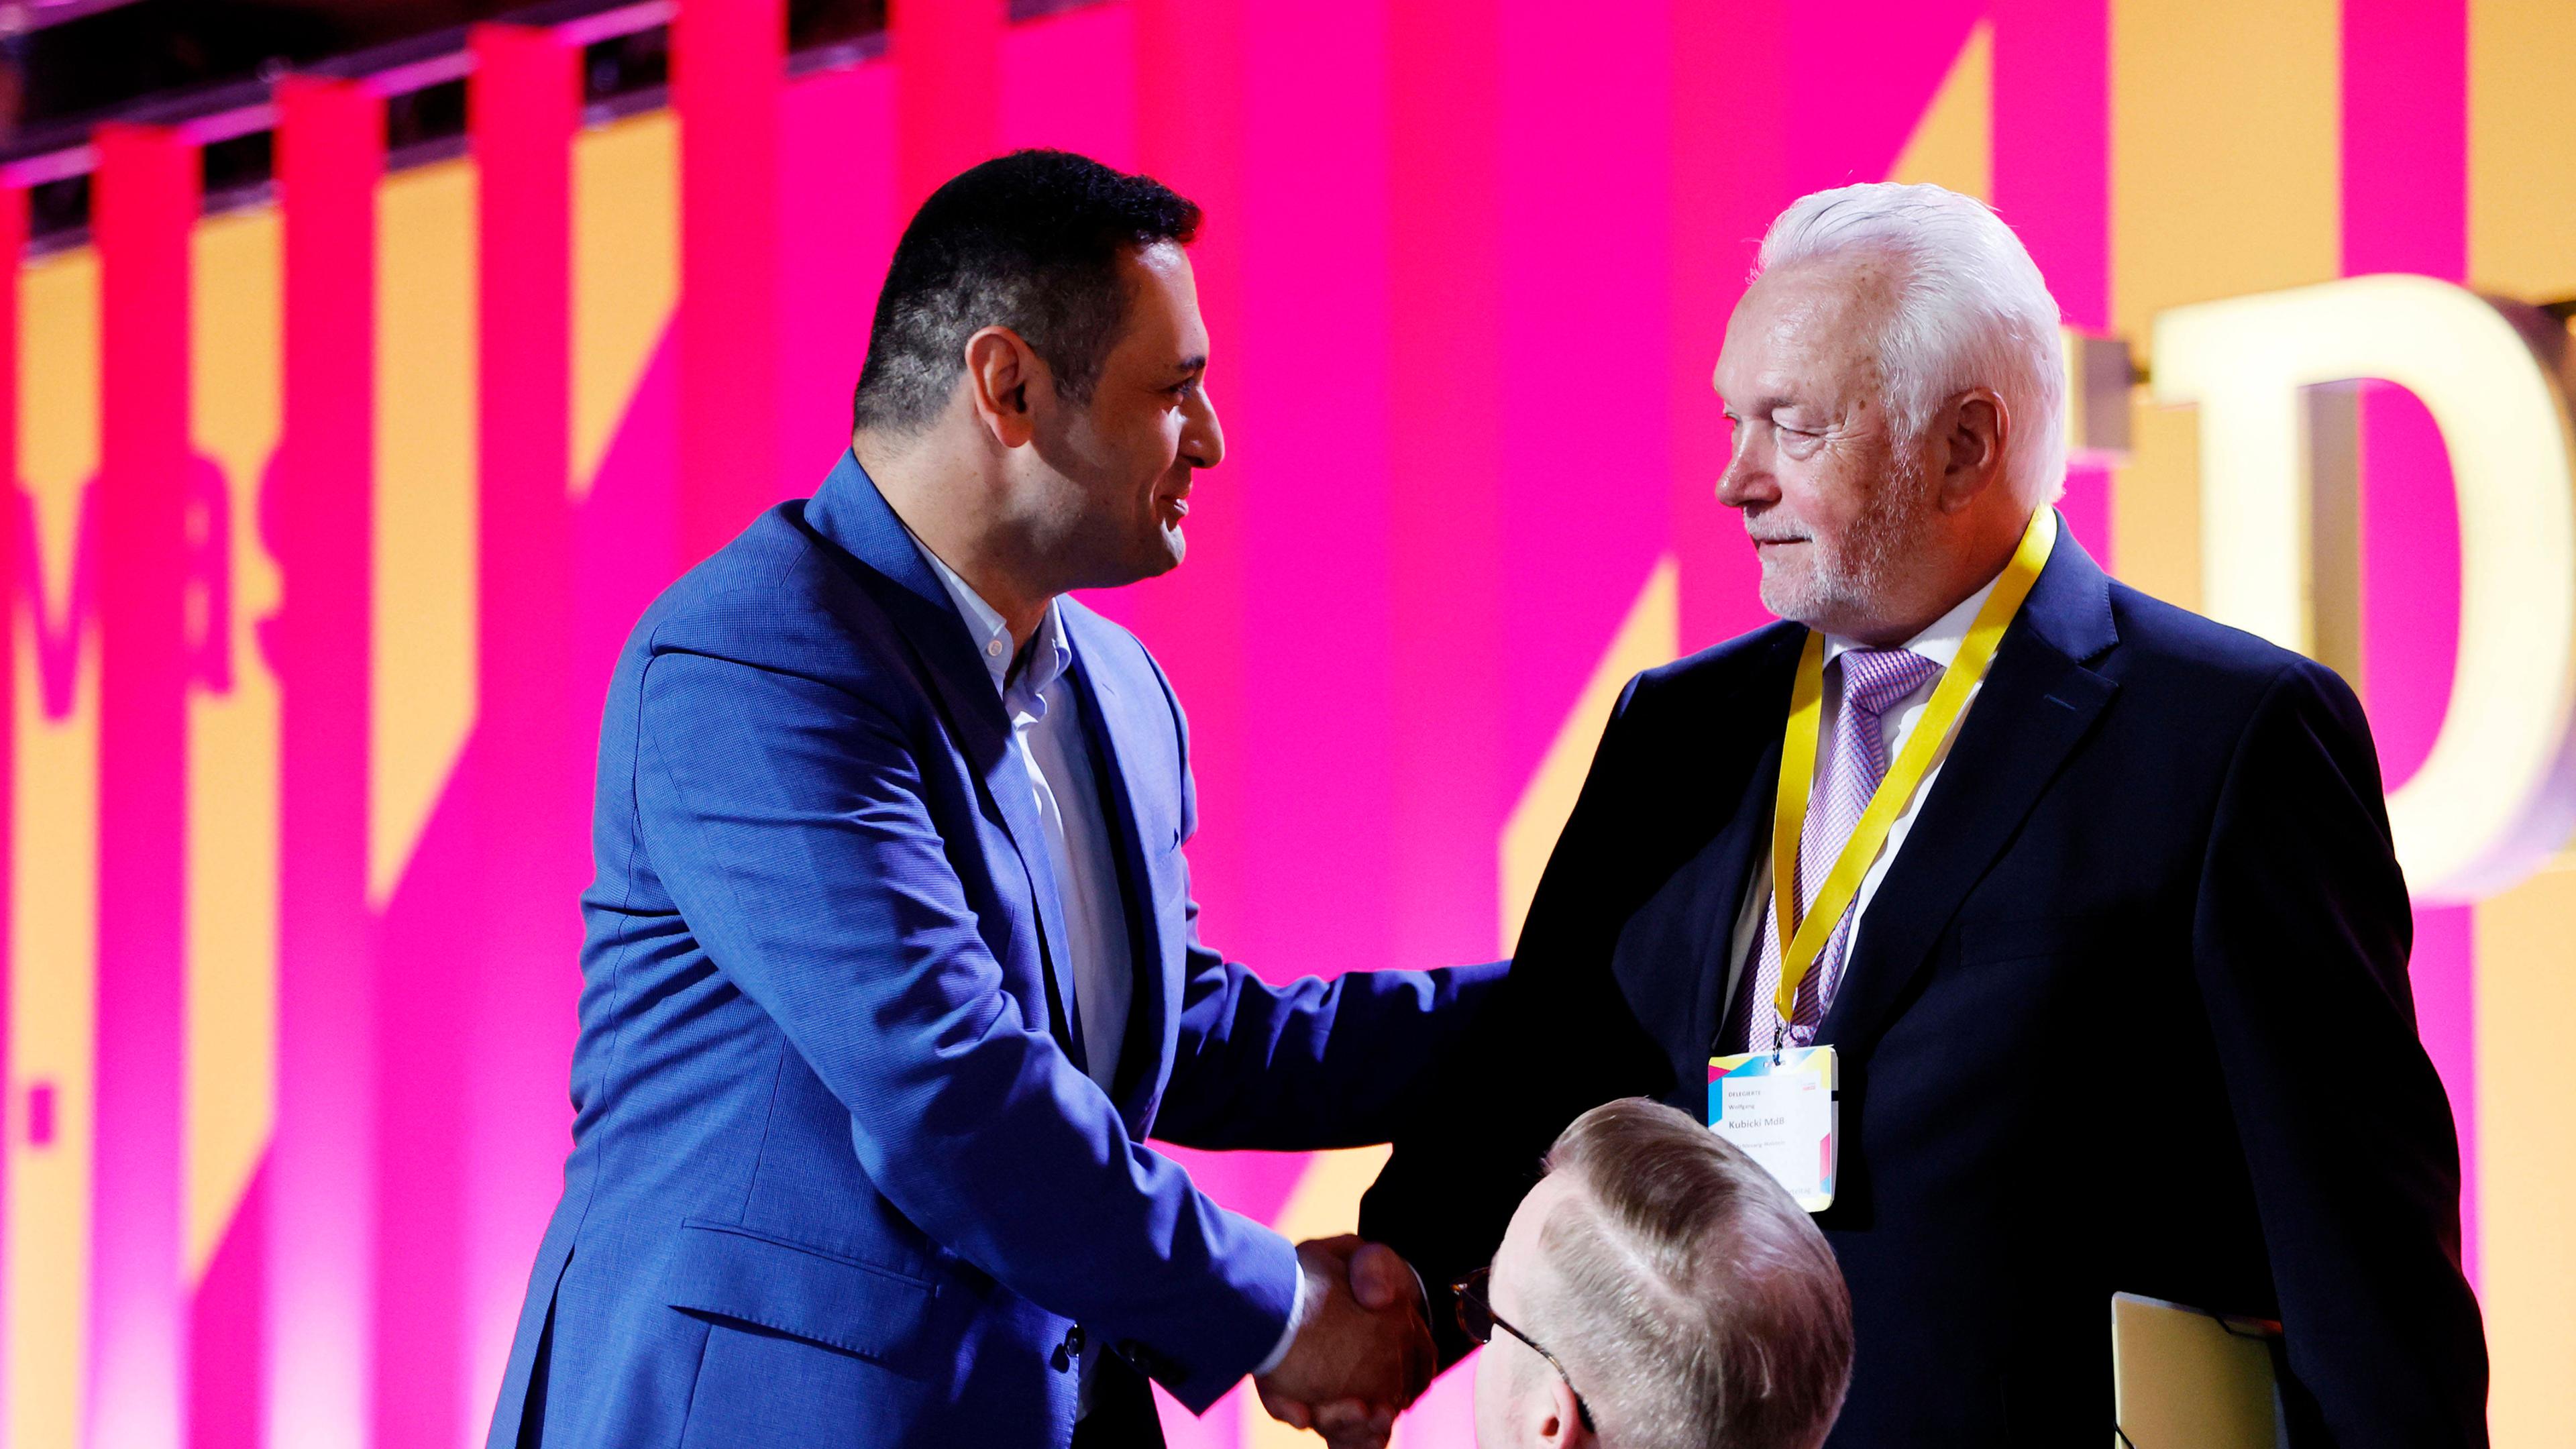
[{"x": 2188, "y": 1379}]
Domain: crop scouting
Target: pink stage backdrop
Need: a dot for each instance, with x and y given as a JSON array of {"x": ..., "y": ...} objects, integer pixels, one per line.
[{"x": 329, "y": 515}]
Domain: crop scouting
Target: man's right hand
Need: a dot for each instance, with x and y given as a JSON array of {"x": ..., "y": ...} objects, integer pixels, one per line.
[{"x": 1364, "y": 1352}]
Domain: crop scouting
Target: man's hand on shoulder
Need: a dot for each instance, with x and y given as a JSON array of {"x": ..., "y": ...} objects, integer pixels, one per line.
[{"x": 1363, "y": 1352}]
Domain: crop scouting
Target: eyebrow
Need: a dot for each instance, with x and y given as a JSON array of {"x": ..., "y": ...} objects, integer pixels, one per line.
[
  {"x": 1188, "y": 365},
  {"x": 1759, "y": 407}
]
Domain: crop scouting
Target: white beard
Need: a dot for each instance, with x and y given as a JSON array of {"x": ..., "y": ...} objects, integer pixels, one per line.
[{"x": 1850, "y": 582}]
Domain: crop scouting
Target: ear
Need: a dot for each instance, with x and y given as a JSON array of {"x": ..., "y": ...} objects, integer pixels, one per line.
[
  {"x": 1561, "y": 1420},
  {"x": 1001, "y": 372},
  {"x": 1972, "y": 433}
]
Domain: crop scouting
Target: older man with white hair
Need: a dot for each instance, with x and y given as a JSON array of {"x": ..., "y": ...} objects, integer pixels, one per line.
[{"x": 2085, "y": 905}]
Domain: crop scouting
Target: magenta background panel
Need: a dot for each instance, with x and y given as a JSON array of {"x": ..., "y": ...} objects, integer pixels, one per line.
[
  {"x": 2052, "y": 159},
  {"x": 1467, "y": 265},
  {"x": 1587, "y": 259},
  {"x": 316, "y": 516},
  {"x": 138, "y": 1343},
  {"x": 2405, "y": 186}
]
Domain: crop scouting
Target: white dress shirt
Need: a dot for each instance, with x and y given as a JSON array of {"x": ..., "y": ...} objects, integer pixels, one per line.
[
  {"x": 1047, "y": 735},
  {"x": 1939, "y": 643}
]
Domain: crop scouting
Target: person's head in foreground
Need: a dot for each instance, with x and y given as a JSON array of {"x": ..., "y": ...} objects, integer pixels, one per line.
[
  {"x": 1658, "y": 1290},
  {"x": 1895, "y": 382}
]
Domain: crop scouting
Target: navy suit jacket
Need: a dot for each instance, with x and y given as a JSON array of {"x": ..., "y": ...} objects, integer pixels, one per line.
[
  {"x": 833, "y": 1181},
  {"x": 2129, "y": 1012}
]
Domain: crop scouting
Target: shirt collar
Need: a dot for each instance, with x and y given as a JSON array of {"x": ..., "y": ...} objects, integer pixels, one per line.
[
  {"x": 1940, "y": 641},
  {"x": 1050, "y": 652}
]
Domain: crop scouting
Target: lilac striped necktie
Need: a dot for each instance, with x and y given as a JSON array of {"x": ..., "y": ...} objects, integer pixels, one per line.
[{"x": 1872, "y": 682}]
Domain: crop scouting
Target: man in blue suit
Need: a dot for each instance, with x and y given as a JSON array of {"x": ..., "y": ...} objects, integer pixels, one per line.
[{"x": 891, "y": 961}]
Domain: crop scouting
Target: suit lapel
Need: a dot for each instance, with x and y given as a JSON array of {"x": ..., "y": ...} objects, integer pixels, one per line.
[
  {"x": 1734, "y": 855},
  {"x": 1157, "y": 990},
  {"x": 849, "y": 512},
  {"x": 2036, "y": 706}
]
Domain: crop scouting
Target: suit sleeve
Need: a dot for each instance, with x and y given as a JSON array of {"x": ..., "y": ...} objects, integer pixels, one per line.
[
  {"x": 2300, "y": 941},
  {"x": 786, "y": 818},
  {"x": 1455, "y": 1179},
  {"x": 1311, "y": 1064}
]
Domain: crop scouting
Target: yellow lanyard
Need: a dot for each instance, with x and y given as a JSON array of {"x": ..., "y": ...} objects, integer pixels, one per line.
[{"x": 1803, "y": 940}]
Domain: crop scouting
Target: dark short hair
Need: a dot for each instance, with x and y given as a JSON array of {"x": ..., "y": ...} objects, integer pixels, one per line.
[
  {"x": 1695, "y": 1303},
  {"x": 1028, "y": 241}
]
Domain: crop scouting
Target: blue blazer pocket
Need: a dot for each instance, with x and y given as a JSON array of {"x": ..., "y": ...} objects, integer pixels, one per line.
[{"x": 726, "y": 1271}]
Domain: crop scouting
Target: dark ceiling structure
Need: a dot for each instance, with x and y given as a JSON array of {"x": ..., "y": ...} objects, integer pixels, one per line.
[
  {"x": 68, "y": 65},
  {"x": 80, "y": 59}
]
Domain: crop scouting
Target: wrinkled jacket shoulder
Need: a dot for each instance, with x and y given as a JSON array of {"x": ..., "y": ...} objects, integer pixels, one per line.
[{"x": 778, "y": 597}]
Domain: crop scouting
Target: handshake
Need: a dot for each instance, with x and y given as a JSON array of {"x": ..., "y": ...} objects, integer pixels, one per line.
[
  {"x": 1362, "y": 1351},
  {"x": 1681, "y": 1293}
]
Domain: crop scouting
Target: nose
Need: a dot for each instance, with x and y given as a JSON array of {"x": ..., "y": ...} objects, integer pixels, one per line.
[
  {"x": 1202, "y": 436},
  {"x": 1747, "y": 477}
]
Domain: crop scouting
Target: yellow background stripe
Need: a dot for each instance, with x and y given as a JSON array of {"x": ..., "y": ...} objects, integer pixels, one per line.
[
  {"x": 2522, "y": 242},
  {"x": 625, "y": 272},
  {"x": 2226, "y": 178},
  {"x": 54, "y": 882},
  {"x": 425, "y": 507},
  {"x": 1954, "y": 144}
]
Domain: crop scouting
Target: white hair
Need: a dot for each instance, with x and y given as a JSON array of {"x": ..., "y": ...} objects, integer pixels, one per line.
[{"x": 1971, "y": 311}]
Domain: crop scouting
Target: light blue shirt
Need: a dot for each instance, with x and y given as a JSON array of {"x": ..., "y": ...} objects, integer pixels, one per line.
[{"x": 1047, "y": 734}]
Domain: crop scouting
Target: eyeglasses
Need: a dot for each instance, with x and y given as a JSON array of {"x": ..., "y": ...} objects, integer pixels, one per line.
[{"x": 1478, "y": 1320}]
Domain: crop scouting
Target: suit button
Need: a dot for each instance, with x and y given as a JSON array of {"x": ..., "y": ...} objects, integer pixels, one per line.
[{"x": 1069, "y": 1350}]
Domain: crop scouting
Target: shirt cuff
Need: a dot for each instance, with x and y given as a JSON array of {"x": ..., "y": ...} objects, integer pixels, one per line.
[{"x": 1297, "y": 1314}]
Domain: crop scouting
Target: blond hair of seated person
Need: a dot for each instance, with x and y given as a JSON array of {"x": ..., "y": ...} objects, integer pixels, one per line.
[{"x": 1657, "y": 1290}]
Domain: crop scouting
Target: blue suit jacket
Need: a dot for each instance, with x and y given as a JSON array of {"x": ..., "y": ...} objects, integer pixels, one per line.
[{"x": 833, "y": 1182}]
